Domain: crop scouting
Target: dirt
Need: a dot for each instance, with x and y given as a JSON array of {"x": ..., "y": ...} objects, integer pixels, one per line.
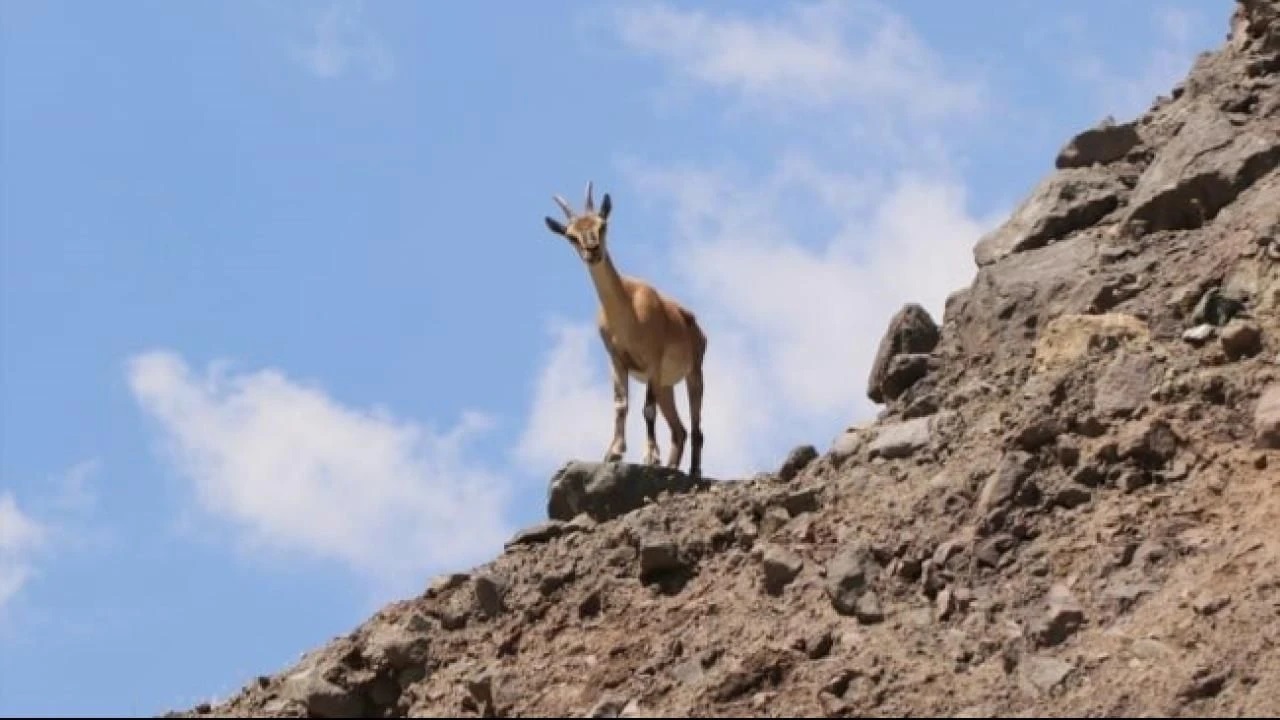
[{"x": 1068, "y": 506}]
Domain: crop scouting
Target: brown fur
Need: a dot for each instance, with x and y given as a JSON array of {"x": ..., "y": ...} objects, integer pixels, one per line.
[{"x": 648, "y": 336}]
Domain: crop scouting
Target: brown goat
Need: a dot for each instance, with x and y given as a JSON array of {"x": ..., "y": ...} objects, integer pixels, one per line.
[{"x": 648, "y": 336}]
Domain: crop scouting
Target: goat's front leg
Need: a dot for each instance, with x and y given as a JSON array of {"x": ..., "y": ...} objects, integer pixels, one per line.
[{"x": 618, "y": 448}]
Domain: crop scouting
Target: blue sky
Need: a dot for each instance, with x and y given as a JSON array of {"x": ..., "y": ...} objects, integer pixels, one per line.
[{"x": 282, "y": 333}]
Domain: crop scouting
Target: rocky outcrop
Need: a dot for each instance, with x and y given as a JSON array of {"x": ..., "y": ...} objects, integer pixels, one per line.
[
  {"x": 607, "y": 490},
  {"x": 1067, "y": 201},
  {"x": 902, "y": 356}
]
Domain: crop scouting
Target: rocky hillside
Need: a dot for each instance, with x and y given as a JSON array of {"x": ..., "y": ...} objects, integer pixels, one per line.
[{"x": 1069, "y": 505}]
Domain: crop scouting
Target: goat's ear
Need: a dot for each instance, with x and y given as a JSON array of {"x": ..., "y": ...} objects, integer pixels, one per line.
[
  {"x": 555, "y": 225},
  {"x": 606, "y": 205}
]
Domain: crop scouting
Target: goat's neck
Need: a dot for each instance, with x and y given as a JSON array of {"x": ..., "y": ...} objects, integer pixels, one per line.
[{"x": 613, "y": 296}]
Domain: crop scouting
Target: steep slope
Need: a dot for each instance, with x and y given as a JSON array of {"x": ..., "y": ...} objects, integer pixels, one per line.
[{"x": 1068, "y": 506}]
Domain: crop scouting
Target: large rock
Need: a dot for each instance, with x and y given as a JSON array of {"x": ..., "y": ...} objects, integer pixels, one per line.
[
  {"x": 607, "y": 490},
  {"x": 322, "y": 698},
  {"x": 1202, "y": 169},
  {"x": 1266, "y": 419},
  {"x": 1069, "y": 200},
  {"x": 911, "y": 331},
  {"x": 902, "y": 439},
  {"x": 1101, "y": 145}
]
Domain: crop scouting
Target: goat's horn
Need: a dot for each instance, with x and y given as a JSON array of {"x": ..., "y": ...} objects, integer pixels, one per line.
[
  {"x": 568, "y": 214},
  {"x": 591, "y": 204}
]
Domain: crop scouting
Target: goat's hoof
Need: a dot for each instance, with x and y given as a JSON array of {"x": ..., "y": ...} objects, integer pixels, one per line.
[{"x": 612, "y": 457}]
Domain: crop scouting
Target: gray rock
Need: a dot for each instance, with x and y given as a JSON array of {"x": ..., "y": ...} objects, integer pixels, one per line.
[
  {"x": 1202, "y": 169},
  {"x": 1103, "y": 144},
  {"x": 772, "y": 520},
  {"x": 867, "y": 608},
  {"x": 658, "y": 554},
  {"x": 1241, "y": 339},
  {"x": 1151, "y": 443},
  {"x": 1062, "y": 619},
  {"x": 780, "y": 567},
  {"x": 849, "y": 573},
  {"x": 540, "y": 533},
  {"x": 911, "y": 330},
  {"x": 1266, "y": 419},
  {"x": 397, "y": 646},
  {"x": 607, "y": 490},
  {"x": 1125, "y": 384},
  {"x": 490, "y": 594},
  {"x": 1045, "y": 673},
  {"x": 797, "y": 460},
  {"x": 904, "y": 371},
  {"x": 1005, "y": 483},
  {"x": 1067, "y": 201},
  {"x": 322, "y": 698},
  {"x": 900, "y": 440},
  {"x": 1217, "y": 307},
  {"x": 1199, "y": 334}
]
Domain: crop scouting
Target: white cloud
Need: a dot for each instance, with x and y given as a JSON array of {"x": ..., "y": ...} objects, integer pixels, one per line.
[
  {"x": 805, "y": 57},
  {"x": 340, "y": 40},
  {"x": 20, "y": 537},
  {"x": 298, "y": 471}
]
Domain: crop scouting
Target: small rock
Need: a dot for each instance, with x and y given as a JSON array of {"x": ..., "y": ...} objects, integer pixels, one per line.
[
  {"x": 1151, "y": 443},
  {"x": 867, "y": 608},
  {"x": 903, "y": 439},
  {"x": 1045, "y": 673},
  {"x": 797, "y": 460},
  {"x": 1149, "y": 649},
  {"x": 1199, "y": 334},
  {"x": 1070, "y": 497},
  {"x": 397, "y": 646},
  {"x": 658, "y": 555},
  {"x": 1204, "y": 683},
  {"x": 1266, "y": 419},
  {"x": 1149, "y": 552},
  {"x": 1003, "y": 485},
  {"x": 444, "y": 583},
  {"x": 321, "y": 697},
  {"x": 1241, "y": 339},
  {"x": 990, "y": 549},
  {"x": 1102, "y": 144},
  {"x": 1209, "y": 604},
  {"x": 480, "y": 688},
  {"x": 490, "y": 593},
  {"x": 944, "y": 603},
  {"x": 798, "y": 502},
  {"x": 780, "y": 567},
  {"x": 772, "y": 520},
  {"x": 847, "y": 579},
  {"x": 1064, "y": 616},
  {"x": 540, "y": 533},
  {"x": 818, "y": 644}
]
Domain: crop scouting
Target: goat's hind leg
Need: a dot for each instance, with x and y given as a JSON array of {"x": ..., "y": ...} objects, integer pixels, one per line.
[{"x": 650, "y": 420}]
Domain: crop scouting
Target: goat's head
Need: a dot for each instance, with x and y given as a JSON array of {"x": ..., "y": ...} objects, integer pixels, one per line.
[{"x": 585, "y": 231}]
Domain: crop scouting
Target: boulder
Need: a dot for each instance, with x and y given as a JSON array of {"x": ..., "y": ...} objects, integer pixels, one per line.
[
  {"x": 1100, "y": 145},
  {"x": 1068, "y": 338},
  {"x": 607, "y": 490},
  {"x": 911, "y": 331}
]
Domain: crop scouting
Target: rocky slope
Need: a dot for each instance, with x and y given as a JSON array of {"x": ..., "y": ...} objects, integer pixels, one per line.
[{"x": 1069, "y": 505}]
